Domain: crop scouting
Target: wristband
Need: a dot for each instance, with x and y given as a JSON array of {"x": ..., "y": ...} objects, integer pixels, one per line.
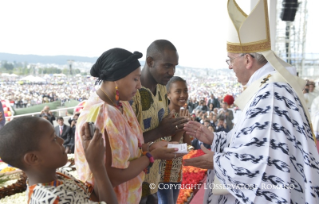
[{"x": 151, "y": 158}]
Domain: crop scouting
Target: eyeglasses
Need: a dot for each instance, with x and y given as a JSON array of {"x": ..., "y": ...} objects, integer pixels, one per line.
[{"x": 231, "y": 60}]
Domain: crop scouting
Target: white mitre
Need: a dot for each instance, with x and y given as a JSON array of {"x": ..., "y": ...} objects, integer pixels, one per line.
[{"x": 250, "y": 33}]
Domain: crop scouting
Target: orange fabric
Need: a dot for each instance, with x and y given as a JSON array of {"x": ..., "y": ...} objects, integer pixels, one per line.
[
  {"x": 168, "y": 168},
  {"x": 56, "y": 200},
  {"x": 31, "y": 189}
]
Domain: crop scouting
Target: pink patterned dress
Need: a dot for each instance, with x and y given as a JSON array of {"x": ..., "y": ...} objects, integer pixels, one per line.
[{"x": 124, "y": 133}]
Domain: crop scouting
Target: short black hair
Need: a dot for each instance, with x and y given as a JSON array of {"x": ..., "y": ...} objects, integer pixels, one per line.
[
  {"x": 60, "y": 118},
  {"x": 17, "y": 138},
  {"x": 173, "y": 80},
  {"x": 158, "y": 47}
]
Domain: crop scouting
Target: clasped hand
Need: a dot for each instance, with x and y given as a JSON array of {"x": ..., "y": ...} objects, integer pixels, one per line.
[
  {"x": 171, "y": 125},
  {"x": 199, "y": 131}
]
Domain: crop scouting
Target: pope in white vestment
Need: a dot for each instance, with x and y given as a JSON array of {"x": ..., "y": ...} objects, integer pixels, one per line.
[{"x": 270, "y": 156}]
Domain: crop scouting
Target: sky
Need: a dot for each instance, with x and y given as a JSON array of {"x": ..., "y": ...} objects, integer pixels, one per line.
[{"x": 88, "y": 28}]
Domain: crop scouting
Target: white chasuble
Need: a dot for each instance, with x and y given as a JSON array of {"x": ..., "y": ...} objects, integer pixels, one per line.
[{"x": 272, "y": 157}]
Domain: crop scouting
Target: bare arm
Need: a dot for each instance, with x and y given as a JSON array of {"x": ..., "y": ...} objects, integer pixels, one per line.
[
  {"x": 187, "y": 139},
  {"x": 177, "y": 137},
  {"x": 119, "y": 176},
  {"x": 103, "y": 185},
  {"x": 151, "y": 135}
]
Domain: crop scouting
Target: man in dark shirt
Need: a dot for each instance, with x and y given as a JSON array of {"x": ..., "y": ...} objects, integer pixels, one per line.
[
  {"x": 63, "y": 131},
  {"x": 213, "y": 101}
]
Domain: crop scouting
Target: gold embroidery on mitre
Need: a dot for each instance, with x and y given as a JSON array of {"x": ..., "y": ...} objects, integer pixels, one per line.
[{"x": 249, "y": 47}]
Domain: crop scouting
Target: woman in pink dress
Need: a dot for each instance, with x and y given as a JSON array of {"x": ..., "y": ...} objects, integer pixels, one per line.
[{"x": 128, "y": 157}]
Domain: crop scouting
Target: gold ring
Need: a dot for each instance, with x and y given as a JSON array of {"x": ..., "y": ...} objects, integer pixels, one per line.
[{"x": 176, "y": 127}]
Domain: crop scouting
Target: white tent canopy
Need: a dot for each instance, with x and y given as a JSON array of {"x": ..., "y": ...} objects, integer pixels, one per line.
[
  {"x": 32, "y": 79},
  {"x": 9, "y": 75},
  {"x": 59, "y": 75},
  {"x": 13, "y": 75},
  {"x": 46, "y": 76}
]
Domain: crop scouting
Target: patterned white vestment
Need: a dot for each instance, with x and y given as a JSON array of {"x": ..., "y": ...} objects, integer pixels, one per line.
[{"x": 272, "y": 157}]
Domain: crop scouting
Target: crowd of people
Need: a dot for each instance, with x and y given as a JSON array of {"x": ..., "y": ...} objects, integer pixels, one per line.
[
  {"x": 29, "y": 94},
  {"x": 121, "y": 137}
]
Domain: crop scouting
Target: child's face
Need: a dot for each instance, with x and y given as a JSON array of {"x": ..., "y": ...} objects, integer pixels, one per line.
[
  {"x": 178, "y": 94},
  {"x": 51, "y": 151}
]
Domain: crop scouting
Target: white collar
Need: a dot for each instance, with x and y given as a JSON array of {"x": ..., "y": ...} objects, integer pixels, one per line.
[{"x": 264, "y": 70}]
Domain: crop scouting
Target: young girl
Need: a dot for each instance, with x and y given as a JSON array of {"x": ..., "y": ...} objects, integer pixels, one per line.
[{"x": 171, "y": 170}]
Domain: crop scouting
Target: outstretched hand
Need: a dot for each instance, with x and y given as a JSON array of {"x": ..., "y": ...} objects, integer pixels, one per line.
[
  {"x": 199, "y": 131},
  {"x": 205, "y": 161},
  {"x": 93, "y": 146},
  {"x": 184, "y": 113}
]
